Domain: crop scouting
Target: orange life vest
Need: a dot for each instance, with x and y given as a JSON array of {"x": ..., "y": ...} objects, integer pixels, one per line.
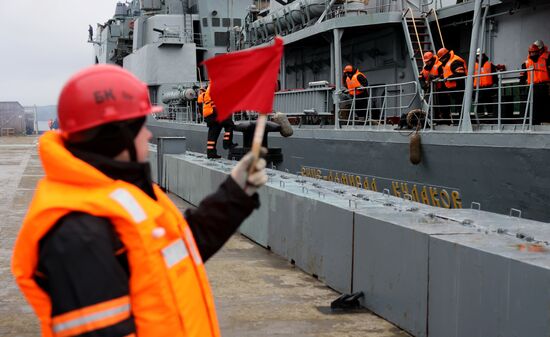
[
  {"x": 447, "y": 72},
  {"x": 484, "y": 81},
  {"x": 540, "y": 70},
  {"x": 353, "y": 83},
  {"x": 207, "y": 103},
  {"x": 169, "y": 291},
  {"x": 434, "y": 72}
]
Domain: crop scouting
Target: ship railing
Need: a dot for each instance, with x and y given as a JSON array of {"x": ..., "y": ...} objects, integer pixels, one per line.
[
  {"x": 185, "y": 36},
  {"x": 347, "y": 8},
  {"x": 382, "y": 105},
  {"x": 186, "y": 113},
  {"x": 505, "y": 106}
]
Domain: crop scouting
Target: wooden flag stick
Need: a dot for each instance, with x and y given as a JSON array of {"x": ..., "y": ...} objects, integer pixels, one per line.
[{"x": 257, "y": 141}]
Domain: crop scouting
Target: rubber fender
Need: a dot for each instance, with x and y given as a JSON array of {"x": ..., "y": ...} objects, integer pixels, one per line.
[
  {"x": 415, "y": 149},
  {"x": 281, "y": 119}
]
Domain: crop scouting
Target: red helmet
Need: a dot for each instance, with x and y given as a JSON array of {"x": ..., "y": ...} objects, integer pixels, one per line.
[
  {"x": 428, "y": 56},
  {"x": 348, "y": 68},
  {"x": 534, "y": 48},
  {"x": 442, "y": 52},
  {"x": 102, "y": 94}
]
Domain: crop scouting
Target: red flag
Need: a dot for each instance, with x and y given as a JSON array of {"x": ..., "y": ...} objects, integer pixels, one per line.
[{"x": 245, "y": 80}]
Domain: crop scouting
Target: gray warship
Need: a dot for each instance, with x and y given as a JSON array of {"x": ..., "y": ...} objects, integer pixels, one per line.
[{"x": 492, "y": 161}]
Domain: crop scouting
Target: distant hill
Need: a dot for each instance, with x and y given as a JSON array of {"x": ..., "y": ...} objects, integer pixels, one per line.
[{"x": 47, "y": 112}]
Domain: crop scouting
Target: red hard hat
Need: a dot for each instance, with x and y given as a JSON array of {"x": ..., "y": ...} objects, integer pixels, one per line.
[
  {"x": 428, "y": 56},
  {"x": 533, "y": 48},
  {"x": 102, "y": 94},
  {"x": 442, "y": 52},
  {"x": 348, "y": 68}
]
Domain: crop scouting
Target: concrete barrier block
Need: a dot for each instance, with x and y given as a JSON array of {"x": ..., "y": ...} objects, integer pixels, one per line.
[
  {"x": 256, "y": 226},
  {"x": 391, "y": 254},
  {"x": 391, "y": 268},
  {"x": 315, "y": 235},
  {"x": 483, "y": 285}
]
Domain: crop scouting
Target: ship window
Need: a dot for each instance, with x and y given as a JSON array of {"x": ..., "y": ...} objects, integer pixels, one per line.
[
  {"x": 221, "y": 39},
  {"x": 205, "y": 22},
  {"x": 226, "y": 22},
  {"x": 215, "y": 22},
  {"x": 237, "y": 22}
]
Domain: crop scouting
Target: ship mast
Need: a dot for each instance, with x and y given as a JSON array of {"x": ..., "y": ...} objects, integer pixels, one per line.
[{"x": 465, "y": 121}]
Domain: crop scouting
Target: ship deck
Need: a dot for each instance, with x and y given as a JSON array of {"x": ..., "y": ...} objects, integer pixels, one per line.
[{"x": 257, "y": 293}]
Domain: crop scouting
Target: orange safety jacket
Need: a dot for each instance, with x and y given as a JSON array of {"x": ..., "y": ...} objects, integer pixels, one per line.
[
  {"x": 540, "y": 70},
  {"x": 434, "y": 72},
  {"x": 447, "y": 71},
  {"x": 207, "y": 103},
  {"x": 484, "y": 81},
  {"x": 169, "y": 291},
  {"x": 353, "y": 83}
]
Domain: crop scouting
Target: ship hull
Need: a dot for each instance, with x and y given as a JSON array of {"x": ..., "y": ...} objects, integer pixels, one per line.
[{"x": 499, "y": 171}]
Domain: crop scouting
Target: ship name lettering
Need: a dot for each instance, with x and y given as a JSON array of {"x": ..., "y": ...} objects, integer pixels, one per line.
[
  {"x": 433, "y": 194},
  {"x": 445, "y": 199},
  {"x": 428, "y": 195},
  {"x": 424, "y": 195},
  {"x": 457, "y": 201},
  {"x": 414, "y": 193}
]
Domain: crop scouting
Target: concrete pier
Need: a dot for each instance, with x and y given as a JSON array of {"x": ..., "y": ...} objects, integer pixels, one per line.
[{"x": 257, "y": 293}]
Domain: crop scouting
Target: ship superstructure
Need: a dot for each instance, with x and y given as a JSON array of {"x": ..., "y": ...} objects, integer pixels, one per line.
[{"x": 496, "y": 162}]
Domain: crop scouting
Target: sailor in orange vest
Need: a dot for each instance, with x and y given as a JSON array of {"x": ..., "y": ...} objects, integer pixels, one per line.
[
  {"x": 356, "y": 83},
  {"x": 200, "y": 101},
  {"x": 453, "y": 66},
  {"x": 540, "y": 77},
  {"x": 486, "y": 96},
  {"x": 432, "y": 70},
  {"x": 215, "y": 127},
  {"x": 103, "y": 251}
]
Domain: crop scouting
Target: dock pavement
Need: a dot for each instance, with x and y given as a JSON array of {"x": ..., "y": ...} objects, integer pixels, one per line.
[{"x": 257, "y": 293}]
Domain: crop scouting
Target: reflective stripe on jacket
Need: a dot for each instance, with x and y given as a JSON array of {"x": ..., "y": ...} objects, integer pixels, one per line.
[
  {"x": 540, "y": 70},
  {"x": 353, "y": 83},
  {"x": 447, "y": 71},
  {"x": 169, "y": 290},
  {"x": 484, "y": 81}
]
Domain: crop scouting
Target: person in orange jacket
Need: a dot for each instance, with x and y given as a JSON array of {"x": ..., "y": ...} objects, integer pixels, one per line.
[
  {"x": 540, "y": 78},
  {"x": 454, "y": 68},
  {"x": 431, "y": 71},
  {"x": 103, "y": 251},
  {"x": 483, "y": 84},
  {"x": 356, "y": 83},
  {"x": 210, "y": 115}
]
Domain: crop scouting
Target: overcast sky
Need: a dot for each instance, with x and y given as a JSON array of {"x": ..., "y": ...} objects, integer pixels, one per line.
[{"x": 43, "y": 42}]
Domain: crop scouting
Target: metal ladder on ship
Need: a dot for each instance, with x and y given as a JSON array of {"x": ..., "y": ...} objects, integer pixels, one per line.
[{"x": 419, "y": 38}]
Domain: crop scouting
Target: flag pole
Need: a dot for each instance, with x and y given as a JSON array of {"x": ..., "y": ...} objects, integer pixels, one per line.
[{"x": 257, "y": 141}]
